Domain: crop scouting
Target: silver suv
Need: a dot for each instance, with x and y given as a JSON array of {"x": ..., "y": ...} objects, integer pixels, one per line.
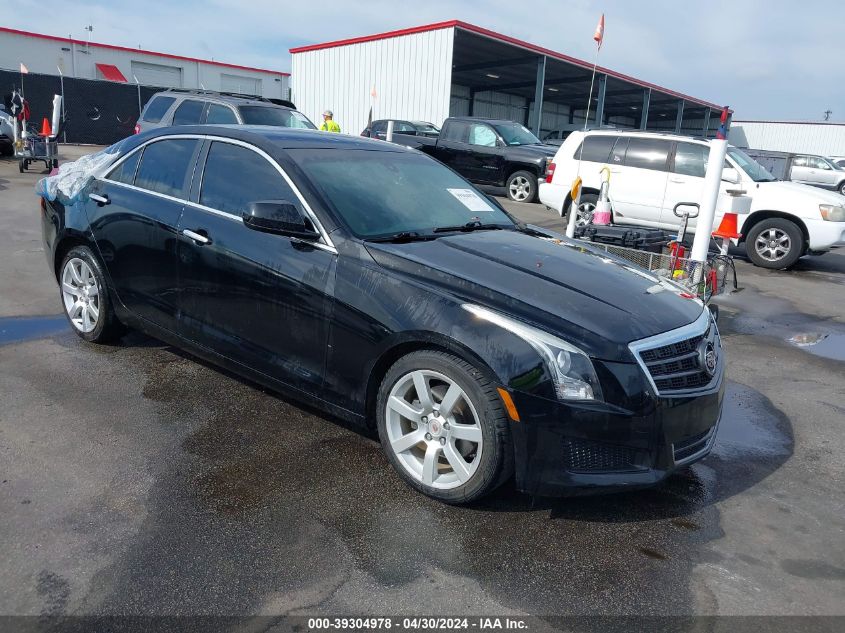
[{"x": 201, "y": 107}]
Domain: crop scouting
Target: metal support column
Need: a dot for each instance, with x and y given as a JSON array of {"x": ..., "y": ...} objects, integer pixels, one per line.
[
  {"x": 680, "y": 118},
  {"x": 539, "y": 87},
  {"x": 646, "y": 103},
  {"x": 600, "y": 105},
  {"x": 706, "y": 126},
  {"x": 471, "y": 109}
]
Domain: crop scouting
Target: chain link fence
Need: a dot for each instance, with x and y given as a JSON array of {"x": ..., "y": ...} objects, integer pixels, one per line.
[{"x": 96, "y": 112}]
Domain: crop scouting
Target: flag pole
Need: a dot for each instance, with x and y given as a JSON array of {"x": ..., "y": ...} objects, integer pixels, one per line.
[{"x": 576, "y": 185}]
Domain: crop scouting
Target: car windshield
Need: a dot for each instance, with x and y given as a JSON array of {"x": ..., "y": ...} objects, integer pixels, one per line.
[
  {"x": 380, "y": 193},
  {"x": 755, "y": 170},
  {"x": 516, "y": 134},
  {"x": 426, "y": 129},
  {"x": 279, "y": 117}
]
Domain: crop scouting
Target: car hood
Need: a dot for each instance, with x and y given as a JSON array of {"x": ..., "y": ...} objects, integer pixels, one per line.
[
  {"x": 796, "y": 190},
  {"x": 598, "y": 302},
  {"x": 538, "y": 151}
]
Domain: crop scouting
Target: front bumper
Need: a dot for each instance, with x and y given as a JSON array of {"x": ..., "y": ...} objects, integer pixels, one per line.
[{"x": 825, "y": 235}]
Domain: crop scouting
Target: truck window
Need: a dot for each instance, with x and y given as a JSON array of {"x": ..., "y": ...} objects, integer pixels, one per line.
[
  {"x": 483, "y": 135},
  {"x": 455, "y": 131}
]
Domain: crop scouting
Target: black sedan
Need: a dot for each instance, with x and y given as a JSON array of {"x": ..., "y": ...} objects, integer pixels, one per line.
[{"x": 373, "y": 282}]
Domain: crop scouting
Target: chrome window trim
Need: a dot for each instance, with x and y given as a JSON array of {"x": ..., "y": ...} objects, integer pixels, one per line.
[
  {"x": 697, "y": 327},
  {"x": 325, "y": 243}
]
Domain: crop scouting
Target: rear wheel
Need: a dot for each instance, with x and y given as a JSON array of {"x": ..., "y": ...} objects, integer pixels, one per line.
[
  {"x": 443, "y": 427},
  {"x": 522, "y": 186},
  {"x": 86, "y": 299},
  {"x": 585, "y": 209},
  {"x": 775, "y": 243},
  {"x": 842, "y": 187}
]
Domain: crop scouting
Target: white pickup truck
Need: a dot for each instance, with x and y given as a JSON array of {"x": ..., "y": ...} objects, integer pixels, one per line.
[{"x": 652, "y": 172}]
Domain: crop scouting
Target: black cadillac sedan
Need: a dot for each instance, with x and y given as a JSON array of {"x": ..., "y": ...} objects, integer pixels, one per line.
[{"x": 370, "y": 280}]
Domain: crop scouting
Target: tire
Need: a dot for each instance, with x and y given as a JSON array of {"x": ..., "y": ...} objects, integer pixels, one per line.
[
  {"x": 775, "y": 243},
  {"x": 841, "y": 187},
  {"x": 585, "y": 209},
  {"x": 21, "y": 166},
  {"x": 85, "y": 297},
  {"x": 522, "y": 186},
  {"x": 459, "y": 457}
]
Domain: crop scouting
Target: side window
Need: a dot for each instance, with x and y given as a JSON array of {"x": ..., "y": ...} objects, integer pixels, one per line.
[
  {"x": 188, "y": 112},
  {"x": 647, "y": 153},
  {"x": 379, "y": 129},
  {"x": 818, "y": 163},
  {"x": 691, "y": 159},
  {"x": 220, "y": 114},
  {"x": 596, "y": 148},
  {"x": 156, "y": 108},
  {"x": 125, "y": 172},
  {"x": 403, "y": 127},
  {"x": 257, "y": 179},
  {"x": 617, "y": 154},
  {"x": 799, "y": 161},
  {"x": 166, "y": 166},
  {"x": 483, "y": 135},
  {"x": 455, "y": 131}
]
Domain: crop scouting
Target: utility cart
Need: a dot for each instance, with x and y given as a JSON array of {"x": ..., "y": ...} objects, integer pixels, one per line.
[{"x": 38, "y": 149}]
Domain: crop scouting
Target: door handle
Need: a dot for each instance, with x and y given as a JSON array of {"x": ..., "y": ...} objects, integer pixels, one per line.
[
  {"x": 197, "y": 237},
  {"x": 679, "y": 181},
  {"x": 101, "y": 200}
]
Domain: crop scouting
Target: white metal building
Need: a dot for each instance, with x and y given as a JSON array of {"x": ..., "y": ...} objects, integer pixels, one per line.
[
  {"x": 51, "y": 55},
  {"x": 810, "y": 137},
  {"x": 454, "y": 68}
]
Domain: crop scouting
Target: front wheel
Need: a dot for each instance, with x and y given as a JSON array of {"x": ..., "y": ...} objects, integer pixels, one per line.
[
  {"x": 522, "y": 186},
  {"x": 85, "y": 297},
  {"x": 775, "y": 243},
  {"x": 443, "y": 427},
  {"x": 842, "y": 187}
]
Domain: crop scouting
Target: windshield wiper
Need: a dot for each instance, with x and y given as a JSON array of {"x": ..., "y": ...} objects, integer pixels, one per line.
[
  {"x": 402, "y": 236},
  {"x": 475, "y": 225}
]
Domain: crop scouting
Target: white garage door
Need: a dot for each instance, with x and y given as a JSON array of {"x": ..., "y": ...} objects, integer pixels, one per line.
[
  {"x": 239, "y": 83},
  {"x": 157, "y": 74}
]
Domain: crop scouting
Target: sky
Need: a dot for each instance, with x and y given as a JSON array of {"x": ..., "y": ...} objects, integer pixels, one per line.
[{"x": 775, "y": 59}]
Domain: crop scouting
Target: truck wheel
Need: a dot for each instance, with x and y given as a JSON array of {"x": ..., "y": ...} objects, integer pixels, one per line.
[
  {"x": 522, "y": 186},
  {"x": 775, "y": 243}
]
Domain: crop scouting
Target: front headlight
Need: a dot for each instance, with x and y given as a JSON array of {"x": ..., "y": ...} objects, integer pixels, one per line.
[
  {"x": 571, "y": 369},
  {"x": 832, "y": 213}
]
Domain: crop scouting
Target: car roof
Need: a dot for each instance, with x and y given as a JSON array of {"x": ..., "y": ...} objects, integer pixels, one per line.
[
  {"x": 225, "y": 97},
  {"x": 276, "y": 137},
  {"x": 645, "y": 134},
  {"x": 480, "y": 119}
]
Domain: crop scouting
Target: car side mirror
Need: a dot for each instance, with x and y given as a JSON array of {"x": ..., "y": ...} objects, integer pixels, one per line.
[
  {"x": 729, "y": 174},
  {"x": 281, "y": 217}
]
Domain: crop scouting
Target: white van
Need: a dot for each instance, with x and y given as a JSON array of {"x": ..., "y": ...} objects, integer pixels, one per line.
[{"x": 652, "y": 172}]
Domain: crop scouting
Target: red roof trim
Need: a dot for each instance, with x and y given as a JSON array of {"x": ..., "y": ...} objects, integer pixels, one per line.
[
  {"x": 502, "y": 38},
  {"x": 68, "y": 40},
  {"x": 734, "y": 122},
  {"x": 110, "y": 72}
]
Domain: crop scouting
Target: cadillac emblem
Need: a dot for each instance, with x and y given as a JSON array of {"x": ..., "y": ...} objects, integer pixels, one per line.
[{"x": 709, "y": 358}]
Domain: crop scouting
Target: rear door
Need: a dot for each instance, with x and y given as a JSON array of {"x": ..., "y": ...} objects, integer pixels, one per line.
[
  {"x": 483, "y": 157},
  {"x": 136, "y": 227},
  {"x": 261, "y": 299},
  {"x": 800, "y": 171},
  {"x": 451, "y": 147},
  {"x": 639, "y": 185}
]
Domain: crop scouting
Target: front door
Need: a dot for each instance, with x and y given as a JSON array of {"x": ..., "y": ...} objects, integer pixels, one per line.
[
  {"x": 484, "y": 158},
  {"x": 258, "y": 298},
  {"x": 134, "y": 217}
]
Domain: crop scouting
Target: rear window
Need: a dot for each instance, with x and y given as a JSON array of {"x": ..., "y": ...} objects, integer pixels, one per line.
[
  {"x": 157, "y": 108},
  {"x": 279, "y": 117},
  {"x": 220, "y": 114},
  {"x": 596, "y": 148},
  {"x": 165, "y": 166},
  {"x": 188, "y": 112},
  {"x": 647, "y": 153}
]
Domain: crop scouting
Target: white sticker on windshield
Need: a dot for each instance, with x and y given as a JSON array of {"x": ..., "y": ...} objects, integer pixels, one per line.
[{"x": 470, "y": 199}]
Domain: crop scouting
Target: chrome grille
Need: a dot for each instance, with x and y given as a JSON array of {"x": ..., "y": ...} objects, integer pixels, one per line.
[{"x": 674, "y": 360}]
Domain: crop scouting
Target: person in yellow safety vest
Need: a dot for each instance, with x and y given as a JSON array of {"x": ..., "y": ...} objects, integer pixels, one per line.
[{"x": 328, "y": 123}]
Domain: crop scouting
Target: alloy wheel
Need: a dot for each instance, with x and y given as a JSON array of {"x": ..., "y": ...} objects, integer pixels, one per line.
[
  {"x": 433, "y": 429},
  {"x": 773, "y": 244},
  {"x": 81, "y": 295},
  {"x": 520, "y": 188},
  {"x": 585, "y": 213}
]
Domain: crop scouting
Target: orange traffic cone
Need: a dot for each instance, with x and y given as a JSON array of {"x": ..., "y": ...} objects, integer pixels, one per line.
[
  {"x": 728, "y": 227},
  {"x": 45, "y": 128}
]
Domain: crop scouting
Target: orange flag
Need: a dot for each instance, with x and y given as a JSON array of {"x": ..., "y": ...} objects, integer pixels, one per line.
[{"x": 599, "y": 34}]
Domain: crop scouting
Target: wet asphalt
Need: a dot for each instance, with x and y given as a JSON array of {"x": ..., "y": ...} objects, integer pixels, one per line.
[{"x": 136, "y": 480}]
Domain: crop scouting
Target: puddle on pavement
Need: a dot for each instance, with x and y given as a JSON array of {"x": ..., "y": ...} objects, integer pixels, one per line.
[
  {"x": 19, "y": 329},
  {"x": 826, "y": 345},
  {"x": 751, "y": 425}
]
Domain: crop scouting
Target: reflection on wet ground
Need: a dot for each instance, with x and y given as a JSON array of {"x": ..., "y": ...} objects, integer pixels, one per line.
[
  {"x": 19, "y": 329},
  {"x": 827, "y": 345}
]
